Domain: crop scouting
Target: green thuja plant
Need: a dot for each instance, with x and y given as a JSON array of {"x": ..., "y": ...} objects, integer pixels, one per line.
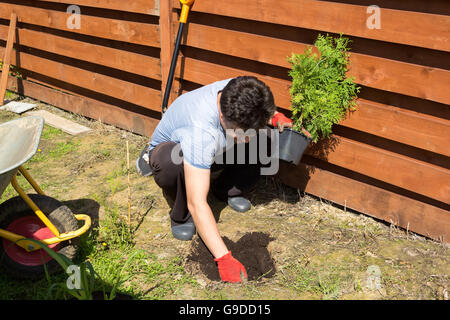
[{"x": 321, "y": 94}]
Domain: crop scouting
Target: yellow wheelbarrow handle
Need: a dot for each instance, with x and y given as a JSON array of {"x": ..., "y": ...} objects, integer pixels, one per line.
[
  {"x": 32, "y": 246},
  {"x": 30, "y": 202}
]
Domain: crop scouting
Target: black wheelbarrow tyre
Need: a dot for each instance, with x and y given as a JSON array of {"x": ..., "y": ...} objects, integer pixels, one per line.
[{"x": 62, "y": 218}]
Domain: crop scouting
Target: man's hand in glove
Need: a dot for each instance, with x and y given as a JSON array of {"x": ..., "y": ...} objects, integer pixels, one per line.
[
  {"x": 230, "y": 269},
  {"x": 280, "y": 121}
]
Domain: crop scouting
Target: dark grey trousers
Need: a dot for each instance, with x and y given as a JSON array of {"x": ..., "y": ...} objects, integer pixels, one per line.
[{"x": 234, "y": 179}]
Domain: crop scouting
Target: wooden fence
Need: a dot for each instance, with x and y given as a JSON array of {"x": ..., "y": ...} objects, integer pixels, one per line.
[
  {"x": 110, "y": 66},
  {"x": 389, "y": 159}
]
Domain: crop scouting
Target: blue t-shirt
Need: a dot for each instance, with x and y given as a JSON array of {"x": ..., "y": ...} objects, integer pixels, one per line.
[{"x": 192, "y": 120}]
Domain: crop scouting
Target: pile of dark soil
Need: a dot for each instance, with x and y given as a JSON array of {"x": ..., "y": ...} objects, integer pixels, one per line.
[{"x": 250, "y": 250}]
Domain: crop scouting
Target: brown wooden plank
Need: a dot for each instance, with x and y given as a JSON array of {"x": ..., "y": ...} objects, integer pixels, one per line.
[
  {"x": 384, "y": 74},
  {"x": 137, "y": 6},
  {"x": 117, "y": 88},
  {"x": 128, "y": 31},
  {"x": 402, "y": 211},
  {"x": 263, "y": 49},
  {"x": 406, "y": 27},
  {"x": 396, "y": 169},
  {"x": 202, "y": 72},
  {"x": 429, "y": 6},
  {"x": 102, "y": 55},
  {"x": 7, "y": 58},
  {"x": 401, "y": 125},
  {"x": 90, "y": 108},
  {"x": 405, "y": 78}
]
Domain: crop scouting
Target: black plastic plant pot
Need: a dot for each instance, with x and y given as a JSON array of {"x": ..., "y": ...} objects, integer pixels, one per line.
[{"x": 292, "y": 145}]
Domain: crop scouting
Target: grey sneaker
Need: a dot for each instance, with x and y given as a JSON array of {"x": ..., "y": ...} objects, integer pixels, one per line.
[
  {"x": 239, "y": 204},
  {"x": 143, "y": 163},
  {"x": 184, "y": 231}
]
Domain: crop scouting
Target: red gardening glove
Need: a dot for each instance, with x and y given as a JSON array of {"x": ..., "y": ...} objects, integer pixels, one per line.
[
  {"x": 230, "y": 269},
  {"x": 281, "y": 121}
]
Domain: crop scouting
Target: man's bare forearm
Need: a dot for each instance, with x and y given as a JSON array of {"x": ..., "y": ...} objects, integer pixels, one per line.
[
  {"x": 207, "y": 229},
  {"x": 197, "y": 187}
]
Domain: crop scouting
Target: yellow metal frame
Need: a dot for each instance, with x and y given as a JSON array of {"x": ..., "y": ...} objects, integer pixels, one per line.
[{"x": 59, "y": 237}]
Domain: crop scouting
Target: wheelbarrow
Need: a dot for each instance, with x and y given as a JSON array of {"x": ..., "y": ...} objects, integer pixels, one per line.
[{"x": 31, "y": 216}]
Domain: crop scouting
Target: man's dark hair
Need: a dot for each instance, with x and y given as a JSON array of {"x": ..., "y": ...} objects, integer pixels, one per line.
[{"x": 247, "y": 102}]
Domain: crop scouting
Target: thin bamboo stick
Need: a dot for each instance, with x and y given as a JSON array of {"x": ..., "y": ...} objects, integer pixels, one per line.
[{"x": 129, "y": 189}]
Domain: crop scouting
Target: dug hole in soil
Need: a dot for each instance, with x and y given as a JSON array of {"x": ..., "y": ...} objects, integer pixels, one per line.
[{"x": 251, "y": 250}]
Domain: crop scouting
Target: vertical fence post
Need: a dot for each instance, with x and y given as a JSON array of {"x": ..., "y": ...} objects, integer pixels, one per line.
[
  {"x": 7, "y": 57},
  {"x": 166, "y": 27}
]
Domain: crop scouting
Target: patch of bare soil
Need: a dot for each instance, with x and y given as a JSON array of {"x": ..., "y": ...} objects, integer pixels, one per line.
[{"x": 250, "y": 250}]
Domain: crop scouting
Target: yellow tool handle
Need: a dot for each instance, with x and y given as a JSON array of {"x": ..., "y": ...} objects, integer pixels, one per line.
[
  {"x": 29, "y": 246},
  {"x": 187, "y": 4}
]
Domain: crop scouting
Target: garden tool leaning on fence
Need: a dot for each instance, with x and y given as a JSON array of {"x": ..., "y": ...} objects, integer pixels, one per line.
[{"x": 142, "y": 163}]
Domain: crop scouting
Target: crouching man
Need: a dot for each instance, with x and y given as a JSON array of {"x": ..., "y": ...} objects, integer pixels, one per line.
[{"x": 183, "y": 152}]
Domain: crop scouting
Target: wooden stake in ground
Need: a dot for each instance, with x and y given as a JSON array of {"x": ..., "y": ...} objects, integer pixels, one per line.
[
  {"x": 7, "y": 58},
  {"x": 129, "y": 190}
]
